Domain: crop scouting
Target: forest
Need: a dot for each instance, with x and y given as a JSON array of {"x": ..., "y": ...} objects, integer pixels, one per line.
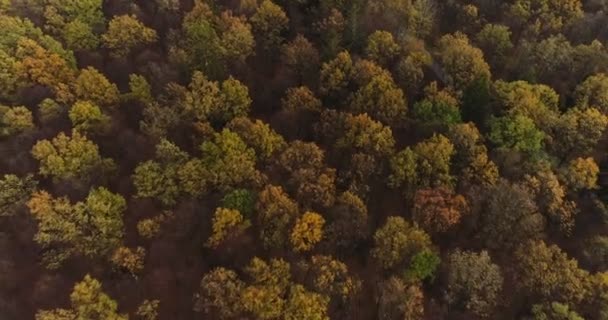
[{"x": 303, "y": 159}]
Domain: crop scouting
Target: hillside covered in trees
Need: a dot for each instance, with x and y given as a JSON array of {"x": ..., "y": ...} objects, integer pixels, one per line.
[{"x": 303, "y": 159}]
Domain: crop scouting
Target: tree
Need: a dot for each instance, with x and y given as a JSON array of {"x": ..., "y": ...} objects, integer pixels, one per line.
[
  {"x": 9, "y": 78},
  {"x": 88, "y": 302},
  {"x": 331, "y": 278},
  {"x": 300, "y": 98},
  {"x": 228, "y": 160},
  {"x": 382, "y": 99},
  {"x": 93, "y": 86},
  {"x": 70, "y": 157},
  {"x": 382, "y": 48},
  {"x": 38, "y": 65},
  {"x": 87, "y": 11},
  {"x": 264, "y": 297},
  {"x": 276, "y": 212},
  {"x": 87, "y": 117},
  {"x": 139, "y": 89},
  {"x": 542, "y": 17},
  {"x": 335, "y": 75},
  {"x": 129, "y": 260},
  {"x": 581, "y": 173},
  {"x": 79, "y": 36},
  {"x": 227, "y": 223},
  {"x": 438, "y": 107},
  {"x": 400, "y": 300},
  {"x": 15, "y": 120},
  {"x": 545, "y": 271},
  {"x": 403, "y": 167},
  {"x": 470, "y": 156},
  {"x": 236, "y": 37},
  {"x": 554, "y": 310},
  {"x": 474, "y": 282},
  {"x": 242, "y": 200},
  {"x": 551, "y": 199},
  {"x": 396, "y": 241},
  {"x": 517, "y": 133},
  {"x": 220, "y": 294},
  {"x": 307, "y": 231},
  {"x": 258, "y": 136},
  {"x": 433, "y": 159},
  {"x": 495, "y": 41},
  {"x": 422, "y": 266},
  {"x": 207, "y": 100},
  {"x": 305, "y": 305},
  {"x": 14, "y": 192},
  {"x": 151, "y": 227},
  {"x": 362, "y": 134},
  {"x": 301, "y": 57},
  {"x": 91, "y": 228},
  {"x": 126, "y": 33},
  {"x": 410, "y": 69},
  {"x": 463, "y": 63},
  {"x": 536, "y": 101},
  {"x": 510, "y": 216},
  {"x": 439, "y": 209},
  {"x": 347, "y": 223},
  {"x": 269, "y": 22},
  {"x": 593, "y": 93},
  {"x": 577, "y": 132},
  {"x": 148, "y": 309}
]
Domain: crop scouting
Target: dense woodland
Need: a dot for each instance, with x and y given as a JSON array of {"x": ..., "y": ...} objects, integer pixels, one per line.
[{"x": 303, "y": 159}]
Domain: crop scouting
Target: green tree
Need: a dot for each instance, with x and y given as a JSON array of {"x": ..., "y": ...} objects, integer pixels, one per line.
[
  {"x": 87, "y": 117},
  {"x": 9, "y": 77},
  {"x": 422, "y": 266},
  {"x": 139, "y": 89},
  {"x": 220, "y": 294},
  {"x": 14, "y": 192},
  {"x": 93, "y": 86},
  {"x": 474, "y": 282},
  {"x": 438, "y": 107},
  {"x": 70, "y": 157},
  {"x": 276, "y": 212},
  {"x": 227, "y": 223},
  {"x": 91, "y": 228},
  {"x": 242, "y": 200},
  {"x": 88, "y": 302},
  {"x": 15, "y": 120},
  {"x": 516, "y": 133},
  {"x": 307, "y": 231},
  {"x": 463, "y": 63},
  {"x": 545, "y": 271},
  {"x": 544, "y": 16},
  {"x": 396, "y": 241},
  {"x": 125, "y": 33},
  {"x": 269, "y": 22},
  {"x": 79, "y": 36}
]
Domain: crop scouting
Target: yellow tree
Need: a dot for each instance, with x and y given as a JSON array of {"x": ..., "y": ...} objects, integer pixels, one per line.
[{"x": 307, "y": 231}]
